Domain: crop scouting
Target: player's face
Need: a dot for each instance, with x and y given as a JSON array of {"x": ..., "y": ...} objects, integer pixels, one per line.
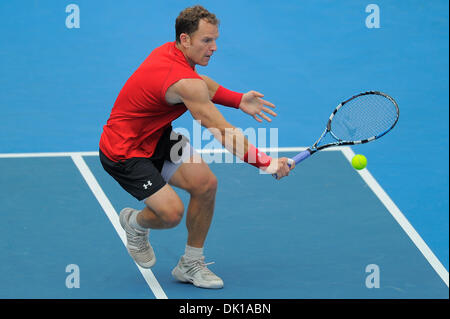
[{"x": 202, "y": 43}]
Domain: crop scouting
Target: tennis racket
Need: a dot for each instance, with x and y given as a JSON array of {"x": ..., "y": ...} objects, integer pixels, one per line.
[{"x": 360, "y": 119}]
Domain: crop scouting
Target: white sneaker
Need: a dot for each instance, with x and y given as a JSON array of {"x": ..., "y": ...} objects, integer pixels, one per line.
[
  {"x": 137, "y": 241},
  {"x": 197, "y": 273}
]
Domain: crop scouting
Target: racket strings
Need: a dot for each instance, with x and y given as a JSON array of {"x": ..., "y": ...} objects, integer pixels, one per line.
[
  {"x": 364, "y": 117},
  {"x": 326, "y": 139}
]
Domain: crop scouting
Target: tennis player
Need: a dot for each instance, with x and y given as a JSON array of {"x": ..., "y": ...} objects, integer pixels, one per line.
[{"x": 141, "y": 152}]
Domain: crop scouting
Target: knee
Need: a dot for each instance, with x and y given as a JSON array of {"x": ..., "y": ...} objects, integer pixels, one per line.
[
  {"x": 205, "y": 185},
  {"x": 172, "y": 213},
  {"x": 211, "y": 184}
]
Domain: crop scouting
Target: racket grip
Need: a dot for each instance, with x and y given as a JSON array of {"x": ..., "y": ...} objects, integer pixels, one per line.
[
  {"x": 297, "y": 159},
  {"x": 301, "y": 156},
  {"x": 290, "y": 162}
]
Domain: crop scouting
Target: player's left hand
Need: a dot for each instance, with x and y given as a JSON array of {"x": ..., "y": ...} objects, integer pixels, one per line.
[{"x": 253, "y": 104}]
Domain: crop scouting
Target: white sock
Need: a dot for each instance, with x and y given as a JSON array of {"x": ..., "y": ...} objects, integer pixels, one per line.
[
  {"x": 133, "y": 222},
  {"x": 192, "y": 253}
]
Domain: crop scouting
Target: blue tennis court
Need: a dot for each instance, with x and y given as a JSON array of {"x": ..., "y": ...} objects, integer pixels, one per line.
[{"x": 325, "y": 232}]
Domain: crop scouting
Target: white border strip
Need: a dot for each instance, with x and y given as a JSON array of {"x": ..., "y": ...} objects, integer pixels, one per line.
[
  {"x": 55, "y": 154},
  {"x": 114, "y": 219},
  {"x": 201, "y": 151},
  {"x": 400, "y": 218}
]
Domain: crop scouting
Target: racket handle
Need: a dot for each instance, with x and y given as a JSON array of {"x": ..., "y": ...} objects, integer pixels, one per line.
[
  {"x": 301, "y": 156},
  {"x": 297, "y": 159},
  {"x": 290, "y": 162}
]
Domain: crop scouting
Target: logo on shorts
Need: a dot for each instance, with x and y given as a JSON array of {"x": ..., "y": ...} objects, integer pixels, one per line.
[{"x": 147, "y": 185}]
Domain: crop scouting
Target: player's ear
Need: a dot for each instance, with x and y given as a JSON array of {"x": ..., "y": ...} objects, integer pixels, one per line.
[{"x": 185, "y": 40}]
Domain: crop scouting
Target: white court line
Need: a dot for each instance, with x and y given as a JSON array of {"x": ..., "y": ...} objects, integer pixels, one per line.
[
  {"x": 400, "y": 218},
  {"x": 50, "y": 154},
  {"x": 201, "y": 151},
  {"x": 114, "y": 219},
  {"x": 348, "y": 153}
]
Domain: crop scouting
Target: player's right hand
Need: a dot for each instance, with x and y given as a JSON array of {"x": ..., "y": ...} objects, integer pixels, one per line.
[{"x": 280, "y": 167}]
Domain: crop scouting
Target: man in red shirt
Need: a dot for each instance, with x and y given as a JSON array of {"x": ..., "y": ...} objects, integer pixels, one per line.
[{"x": 141, "y": 152}]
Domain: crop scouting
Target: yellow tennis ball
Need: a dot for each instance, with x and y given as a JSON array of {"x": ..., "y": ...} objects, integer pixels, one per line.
[{"x": 359, "y": 161}]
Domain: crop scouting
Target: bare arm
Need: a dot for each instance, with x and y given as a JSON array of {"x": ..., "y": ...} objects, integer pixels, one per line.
[
  {"x": 251, "y": 103},
  {"x": 194, "y": 94},
  {"x": 212, "y": 85}
]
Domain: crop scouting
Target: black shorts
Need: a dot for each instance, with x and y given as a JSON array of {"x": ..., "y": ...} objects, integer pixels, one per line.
[{"x": 142, "y": 177}]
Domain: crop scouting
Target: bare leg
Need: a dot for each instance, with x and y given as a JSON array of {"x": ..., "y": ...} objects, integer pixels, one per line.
[
  {"x": 196, "y": 178},
  {"x": 199, "y": 215},
  {"x": 164, "y": 209}
]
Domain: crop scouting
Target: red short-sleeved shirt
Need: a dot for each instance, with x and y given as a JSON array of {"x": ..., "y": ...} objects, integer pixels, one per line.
[{"x": 141, "y": 113}]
